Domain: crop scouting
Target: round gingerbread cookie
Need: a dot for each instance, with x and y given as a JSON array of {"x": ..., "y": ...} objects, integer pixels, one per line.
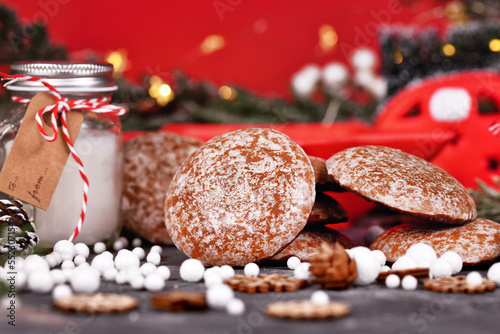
[
  {"x": 149, "y": 165},
  {"x": 402, "y": 182},
  {"x": 309, "y": 241},
  {"x": 326, "y": 210},
  {"x": 476, "y": 242},
  {"x": 240, "y": 198},
  {"x": 324, "y": 182}
]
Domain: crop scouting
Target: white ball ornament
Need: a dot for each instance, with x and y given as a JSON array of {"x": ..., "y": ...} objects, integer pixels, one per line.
[
  {"x": 131, "y": 273},
  {"x": 57, "y": 257},
  {"x": 251, "y": 269},
  {"x": 118, "y": 245},
  {"x": 392, "y": 281},
  {"x": 68, "y": 273},
  {"x": 163, "y": 271},
  {"x": 380, "y": 256},
  {"x": 121, "y": 277},
  {"x": 367, "y": 265},
  {"x": 154, "y": 258},
  {"x": 226, "y": 272},
  {"x": 148, "y": 268},
  {"x": 320, "y": 298},
  {"x": 494, "y": 273},
  {"x": 409, "y": 283},
  {"x": 405, "y": 262},
  {"x": 192, "y": 270},
  {"x": 293, "y": 262},
  {"x": 219, "y": 296},
  {"x": 235, "y": 307},
  {"x": 384, "y": 269},
  {"x": 126, "y": 259},
  {"x": 139, "y": 252},
  {"x": 454, "y": 260},
  {"x": 66, "y": 248},
  {"x": 212, "y": 271},
  {"x": 82, "y": 249},
  {"x": 110, "y": 274},
  {"x": 67, "y": 264},
  {"x": 58, "y": 276},
  {"x": 335, "y": 76},
  {"x": 40, "y": 281},
  {"x": 474, "y": 279},
  {"x": 99, "y": 247},
  {"x": 124, "y": 241},
  {"x": 85, "y": 280},
  {"x": 79, "y": 259},
  {"x": 157, "y": 249},
  {"x": 363, "y": 59},
  {"x": 154, "y": 282},
  {"x": 136, "y": 242},
  {"x": 212, "y": 280},
  {"x": 137, "y": 282},
  {"x": 34, "y": 263},
  {"x": 102, "y": 262},
  {"x": 21, "y": 280},
  {"x": 302, "y": 271},
  {"x": 305, "y": 81},
  {"x": 51, "y": 260},
  {"x": 61, "y": 292},
  {"x": 440, "y": 269},
  {"x": 108, "y": 254},
  {"x": 422, "y": 252}
]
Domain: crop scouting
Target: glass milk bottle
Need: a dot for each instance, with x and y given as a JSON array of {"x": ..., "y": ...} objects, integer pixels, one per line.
[{"x": 98, "y": 144}]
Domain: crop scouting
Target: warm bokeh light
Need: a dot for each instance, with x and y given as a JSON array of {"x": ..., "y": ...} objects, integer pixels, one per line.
[
  {"x": 165, "y": 90},
  {"x": 398, "y": 58},
  {"x": 118, "y": 59},
  {"x": 212, "y": 43},
  {"x": 495, "y": 45},
  {"x": 449, "y": 50},
  {"x": 328, "y": 38},
  {"x": 160, "y": 91},
  {"x": 227, "y": 93}
]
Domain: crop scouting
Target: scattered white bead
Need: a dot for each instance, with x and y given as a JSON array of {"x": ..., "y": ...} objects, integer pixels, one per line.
[
  {"x": 67, "y": 264},
  {"x": 108, "y": 254},
  {"x": 118, "y": 245},
  {"x": 302, "y": 271},
  {"x": 157, "y": 249},
  {"x": 293, "y": 262},
  {"x": 51, "y": 260},
  {"x": 139, "y": 252},
  {"x": 79, "y": 259},
  {"x": 124, "y": 241},
  {"x": 424, "y": 264},
  {"x": 131, "y": 273},
  {"x": 148, "y": 268},
  {"x": 58, "y": 257},
  {"x": 235, "y": 307},
  {"x": 226, "y": 272},
  {"x": 405, "y": 262},
  {"x": 66, "y": 248},
  {"x": 82, "y": 249},
  {"x": 409, "y": 282},
  {"x": 212, "y": 280},
  {"x": 212, "y": 271},
  {"x": 21, "y": 280},
  {"x": 61, "y": 292},
  {"x": 163, "y": 271},
  {"x": 440, "y": 268},
  {"x": 110, "y": 274},
  {"x": 121, "y": 277},
  {"x": 454, "y": 260},
  {"x": 421, "y": 251},
  {"x": 154, "y": 282},
  {"x": 494, "y": 273},
  {"x": 384, "y": 269},
  {"x": 34, "y": 263},
  {"x": 137, "y": 283},
  {"x": 58, "y": 276},
  {"x": 219, "y": 296},
  {"x": 320, "y": 298},
  {"x": 126, "y": 259},
  {"x": 99, "y": 247},
  {"x": 363, "y": 59},
  {"x": 40, "y": 281},
  {"x": 191, "y": 270},
  {"x": 84, "y": 265},
  {"x": 136, "y": 242},
  {"x": 102, "y": 262},
  {"x": 68, "y": 273},
  {"x": 392, "y": 281},
  {"x": 154, "y": 258},
  {"x": 474, "y": 279},
  {"x": 380, "y": 256},
  {"x": 85, "y": 280},
  {"x": 367, "y": 265},
  {"x": 251, "y": 269}
]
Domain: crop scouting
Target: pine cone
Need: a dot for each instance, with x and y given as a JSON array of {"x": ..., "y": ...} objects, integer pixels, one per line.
[
  {"x": 15, "y": 223},
  {"x": 332, "y": 267}
]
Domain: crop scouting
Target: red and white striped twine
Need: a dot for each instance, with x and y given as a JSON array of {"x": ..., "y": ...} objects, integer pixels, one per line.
[
  {"x": 59, "y": 110},
  {"x": 495, "y": 128}
]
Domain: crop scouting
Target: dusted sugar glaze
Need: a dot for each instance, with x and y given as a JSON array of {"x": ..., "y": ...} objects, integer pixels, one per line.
[
  {"x": 149, "y": 165},
  {"x": 402, "y": 182},
  {"x": 326, "y": 210},
  {"x": 476, "y": 242},
  {"x": 240, "y": 198}
]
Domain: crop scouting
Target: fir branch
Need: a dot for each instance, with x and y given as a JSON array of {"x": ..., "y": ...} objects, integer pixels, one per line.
[{"x": 488, "y": 199}]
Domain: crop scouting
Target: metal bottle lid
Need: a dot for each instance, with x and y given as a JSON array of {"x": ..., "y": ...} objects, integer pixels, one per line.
[{"x": 65, "y": 76}]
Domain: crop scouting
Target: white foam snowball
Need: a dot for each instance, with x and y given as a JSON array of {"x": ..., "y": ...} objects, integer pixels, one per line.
[
  {"x": 384, "y": 269},
  {"x": 363, "y": 59},
  {"x": 148, "y": 268},
  {"x": 108, "y": 254},
  {"x": 126, "y": 259},
  {"x": 405, "y": 262},
  {"x": 58, "y": 257},
  {"x": 335, "y": 75},
  {"x": 440, "y": 268},
  {"x": 154, "y": 282},
  {"x": 154, "y": 258},
  {"x": 251, "y": 269},
  {"x": 293, "y": 262},
  {"x": 367, "y": 265},
  {"x": 454, "y": 260},
  {"x": 82, "y": 249},
  {"x": 235, "y": 307},
  {"x": 85, "y": 280},
  {"x": 21, "y": 280},
  {"x": 474, "y": 279},
  {"x": 409, "y": 282},
  {"x": 424, "y": 264},
  {"x": 494, "y": 273},
  {"x": 102, "y": 262},
  {"x": 163, "y": 271},
  {"x": 136, "y": 242},
  {"x": 51, "y": 260},
  {"x": 305, "y": 81},
  {"x": 212, "y": 271},
  {"x": 68, "y": 273},
  {"x": 40, "y": 281},
  {"x": 392, "y": 281},
  {"x": 66, "y": 248},
  {"x": 61, "y": 292},
  {"x": 67, "y": 264},
  {"x": 157, "y": 249},
  {"x": 422, "y": 252},
  {"x": 34, "y": 263},
  {"x": 124, "y": 241},
  {"x": 121, "y": 277},
  {"x": 79, "y": 259},
  {"x": 131, "y": 273},
  {"x": 320, "y": 298},
  {"x": 219, "y": 296},
  {"x": 378, "y": 87},
  {"x": 302, "y": 271},
  {"x": 226, "y": 272},
  {"x": 212, "y": 280},
  {"x": 118, "y": 245},
  {"x": 137, "y": 282},
  {"x": 58, "y": 276},
  {"x": 99, "y": 247},
  {"x": 110, "y": 274},
  {"x": 192, "y": 270},
  {"x": 139, "y": 252},
  {"x": 380, "y": 256},
  {"x": 84, "y": 265}
]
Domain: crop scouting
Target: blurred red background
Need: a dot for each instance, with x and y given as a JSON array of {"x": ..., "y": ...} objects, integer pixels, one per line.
[{"x": 265, "y": 42}]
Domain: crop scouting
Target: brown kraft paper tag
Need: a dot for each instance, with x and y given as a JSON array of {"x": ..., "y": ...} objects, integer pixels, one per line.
[{"x": 34, "y": 165}]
